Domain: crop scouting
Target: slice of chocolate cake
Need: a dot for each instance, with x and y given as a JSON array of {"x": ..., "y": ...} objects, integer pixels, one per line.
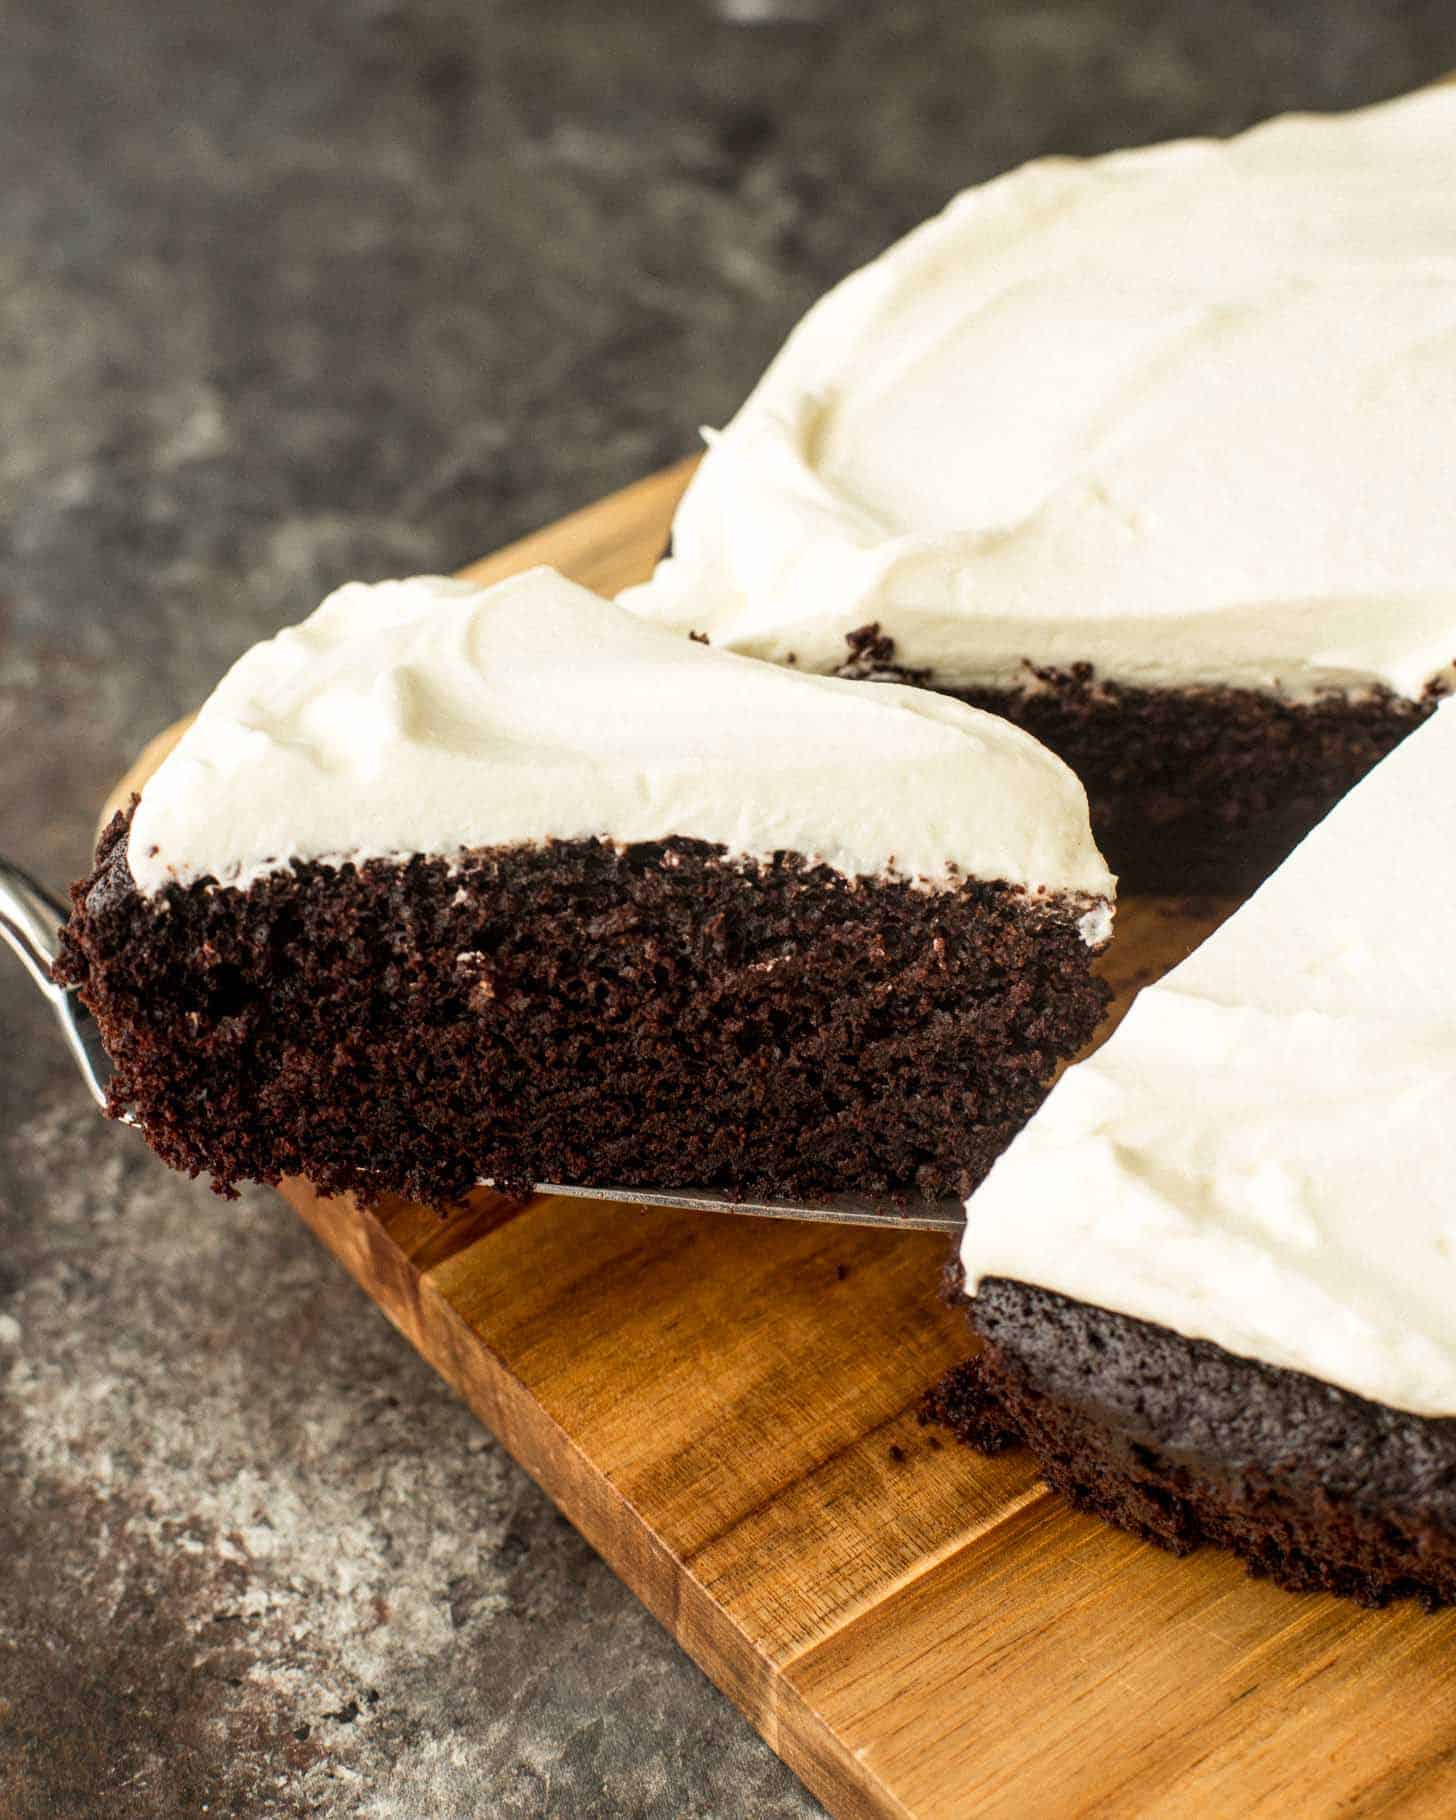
[
  {"x": 1148, "y": 452},
  {"x": 1215, "y": 1276},
  {"x": 450, "y": 885}
]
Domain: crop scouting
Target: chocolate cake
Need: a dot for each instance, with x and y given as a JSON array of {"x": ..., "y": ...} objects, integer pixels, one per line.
[
  {"x": 1147, "y": 453},
  {"x": 1183, "y": 1443},
  {"x": 449, "y": 885},
  {"x": 1214, "y": 1276},
  {"x": 1194, "y": 790}
]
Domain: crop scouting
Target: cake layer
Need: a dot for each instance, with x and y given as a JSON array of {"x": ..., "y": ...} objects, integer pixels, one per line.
[
  {"x": 614, "y": 1014},
  {"x": 1194, "y": 790},
  {"x": 1182, "y": 414},
  {"x": 1183, "y": 1443},
  {"x": 1262, "y": 1156},
  {"x": 431, "y": 716}
]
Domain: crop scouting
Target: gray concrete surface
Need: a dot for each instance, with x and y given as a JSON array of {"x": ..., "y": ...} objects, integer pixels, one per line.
[{"x": 293, "y": 291}]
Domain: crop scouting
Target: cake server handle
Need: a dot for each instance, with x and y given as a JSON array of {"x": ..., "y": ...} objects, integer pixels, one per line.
[{"x": 30, "y": 920}]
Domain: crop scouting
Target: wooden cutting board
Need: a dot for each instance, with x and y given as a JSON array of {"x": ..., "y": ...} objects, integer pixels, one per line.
[{"x": 726, "y": 1409}]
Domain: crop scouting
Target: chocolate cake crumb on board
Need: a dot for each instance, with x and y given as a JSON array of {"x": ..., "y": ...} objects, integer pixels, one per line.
[{"x": 712, "y": 1404}]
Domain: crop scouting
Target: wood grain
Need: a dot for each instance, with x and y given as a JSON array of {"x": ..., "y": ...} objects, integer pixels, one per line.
[{"x": 725, "y": 1408}]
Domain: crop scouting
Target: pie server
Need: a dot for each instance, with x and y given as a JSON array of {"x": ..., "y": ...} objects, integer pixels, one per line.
[{"x": 30, "y": 917}]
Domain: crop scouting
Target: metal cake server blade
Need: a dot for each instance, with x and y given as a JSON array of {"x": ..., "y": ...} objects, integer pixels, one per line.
[
  {"x": 917, "y": 1213},
  {"x": 30, "y": 917}
]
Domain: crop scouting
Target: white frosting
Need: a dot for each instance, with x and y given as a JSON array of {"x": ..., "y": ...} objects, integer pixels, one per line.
[
  {"x": 1264, "y": 1153},
  {"x": 1184, "y": 413},
  {"x": 427, "y": 716}
]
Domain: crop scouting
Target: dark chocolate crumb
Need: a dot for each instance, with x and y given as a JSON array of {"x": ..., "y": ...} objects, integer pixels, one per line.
[
  {"x": 1191, "y": 790},
  {"x": 1182, "y": 1443},
  {"x": 581, "y": 1013}
]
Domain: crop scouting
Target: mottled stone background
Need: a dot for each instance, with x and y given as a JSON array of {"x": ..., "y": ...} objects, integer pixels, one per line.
[{"x": 292, "y": 291}]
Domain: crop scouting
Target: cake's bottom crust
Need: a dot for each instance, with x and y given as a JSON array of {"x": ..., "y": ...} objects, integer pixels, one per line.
[
  {"x": 644, "y": 1016},
  {"x": 1191, "y": 790},
  {"x": 1181, "y": 1443}
]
